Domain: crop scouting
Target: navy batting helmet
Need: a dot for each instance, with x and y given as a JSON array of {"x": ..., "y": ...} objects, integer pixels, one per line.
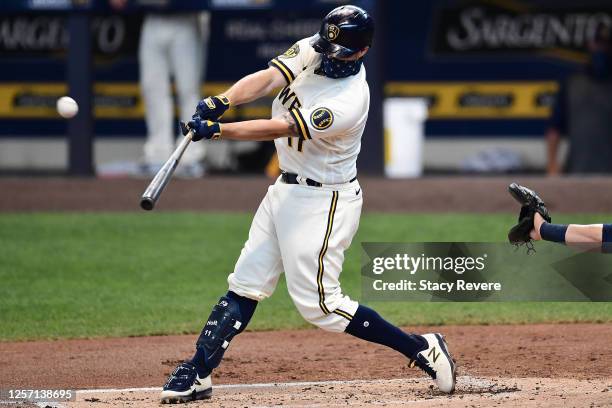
[{"x": 344, "y": 31}]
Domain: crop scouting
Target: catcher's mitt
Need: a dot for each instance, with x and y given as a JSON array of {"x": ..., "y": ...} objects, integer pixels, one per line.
[{"x": 530, "y": 204}]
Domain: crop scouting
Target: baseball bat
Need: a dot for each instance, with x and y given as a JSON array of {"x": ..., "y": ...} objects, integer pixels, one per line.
[{"x": 157, "y": 185}]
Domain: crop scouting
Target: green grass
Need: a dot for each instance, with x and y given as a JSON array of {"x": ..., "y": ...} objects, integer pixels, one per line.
[{"x": 85, "y": 275}]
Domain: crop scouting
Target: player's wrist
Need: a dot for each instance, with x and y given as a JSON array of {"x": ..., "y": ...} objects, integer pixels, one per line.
[
  {"x": 217, "y": 131},
  {"x": 553, "y": 232},
  {"x": 211, "y": 130},
  {"x": 538, "y": 220}
]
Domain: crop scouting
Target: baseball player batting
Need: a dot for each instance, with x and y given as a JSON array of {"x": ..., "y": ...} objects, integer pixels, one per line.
[{"x": 310, "y": 214}]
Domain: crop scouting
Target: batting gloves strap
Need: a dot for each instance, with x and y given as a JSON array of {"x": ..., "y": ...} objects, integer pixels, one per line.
[
  {"x": 213, "y": 107},
  {"x": 202, "y": 129}
]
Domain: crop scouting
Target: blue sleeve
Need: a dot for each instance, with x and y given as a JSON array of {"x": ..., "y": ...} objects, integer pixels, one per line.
[
  {"x": 606, "y": 235},
  {"x": 606, "y": 239},
  {"x": 558, "y": 117}
]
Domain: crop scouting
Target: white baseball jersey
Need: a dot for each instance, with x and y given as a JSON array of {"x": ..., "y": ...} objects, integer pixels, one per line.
[
  {"x": 330, "y": 115},
  {"x": 303, "y": 230}
]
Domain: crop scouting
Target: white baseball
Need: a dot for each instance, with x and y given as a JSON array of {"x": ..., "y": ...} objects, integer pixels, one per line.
[{"x": 67, "y": 107}]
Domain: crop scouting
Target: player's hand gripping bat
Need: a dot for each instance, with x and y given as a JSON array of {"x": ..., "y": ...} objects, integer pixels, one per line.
[{"x": 155, "y": 188}]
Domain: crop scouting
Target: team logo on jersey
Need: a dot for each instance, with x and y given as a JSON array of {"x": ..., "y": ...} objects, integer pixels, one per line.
[
  {"x": 291, "y": 52},
  {"x": 321, "y": 118},
  {"x": 332, "y": 32}
]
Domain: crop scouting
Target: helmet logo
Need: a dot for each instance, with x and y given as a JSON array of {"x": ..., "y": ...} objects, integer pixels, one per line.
[{"x": 332, "y": 32}]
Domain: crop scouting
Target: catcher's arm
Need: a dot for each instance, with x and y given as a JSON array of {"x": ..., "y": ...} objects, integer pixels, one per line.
[
  {"x": 535, "y": 223},
  {"x": 574, "y": 234}
]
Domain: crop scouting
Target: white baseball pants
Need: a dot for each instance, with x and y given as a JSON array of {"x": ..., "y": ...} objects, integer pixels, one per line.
[
  {"x": 170, "y": 45},
  {"x": 302, "y": 231}
]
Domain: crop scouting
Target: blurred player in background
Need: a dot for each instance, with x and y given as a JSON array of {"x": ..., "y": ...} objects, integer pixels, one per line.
[
  {"x": 583, "y": 112},
  {"x": 166, "y": 39}
]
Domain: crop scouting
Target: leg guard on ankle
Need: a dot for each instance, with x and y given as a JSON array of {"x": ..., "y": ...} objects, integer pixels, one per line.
[{"x": 223, "y": 324}]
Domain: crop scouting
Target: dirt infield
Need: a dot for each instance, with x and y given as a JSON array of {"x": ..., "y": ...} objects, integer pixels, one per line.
[
  {"x": 472, "y": 392},
  {"x": 532, "y": 365},
  {"x": 561, "y": 365},
  {"x": 431, "y": 194}
]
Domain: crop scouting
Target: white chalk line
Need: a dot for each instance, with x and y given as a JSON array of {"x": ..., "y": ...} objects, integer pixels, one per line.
[
  {"x": 463, "y": 379},
  {"x": 255, "y": 385}
]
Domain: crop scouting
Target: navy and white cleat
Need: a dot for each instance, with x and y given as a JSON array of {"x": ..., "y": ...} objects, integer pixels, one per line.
[
  {"x": 185, "y": 385},
  {"x": 436, "y": 361}
]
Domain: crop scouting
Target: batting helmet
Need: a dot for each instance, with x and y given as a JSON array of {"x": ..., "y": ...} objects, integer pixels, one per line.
[{"x": 344, "y": 31}]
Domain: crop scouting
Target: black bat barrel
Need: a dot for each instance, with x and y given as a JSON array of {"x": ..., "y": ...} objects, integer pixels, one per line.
[
  {"x": 157, "y": 185},
  {"x": 147, "y": 203}
]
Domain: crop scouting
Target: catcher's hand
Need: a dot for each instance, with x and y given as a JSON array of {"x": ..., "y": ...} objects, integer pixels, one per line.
[{"x": 530, "y": 203}]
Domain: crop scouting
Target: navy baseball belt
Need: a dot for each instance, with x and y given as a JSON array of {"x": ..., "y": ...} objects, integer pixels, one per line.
[{"x": 292, "y": 178}]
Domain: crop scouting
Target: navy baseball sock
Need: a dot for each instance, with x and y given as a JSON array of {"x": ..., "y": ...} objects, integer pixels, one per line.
[
  {"x": 368, "y": 325},
  {"x": 247, "y": 309}
]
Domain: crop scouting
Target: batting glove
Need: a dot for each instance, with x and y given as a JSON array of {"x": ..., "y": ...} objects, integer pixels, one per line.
[
  {"x": 202, "y": 129},
  {"x": 213, "y": 107}
]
